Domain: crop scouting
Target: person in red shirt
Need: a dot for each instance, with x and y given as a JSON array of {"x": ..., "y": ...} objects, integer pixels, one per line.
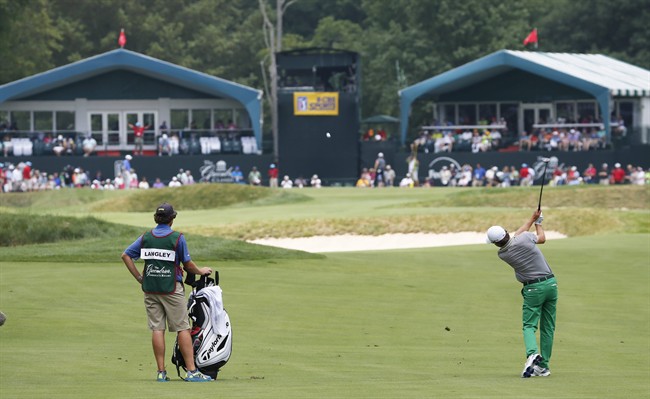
[
  {"x": 524, "y": 176},
  {"x": 558, "y": 177},
  {"x": 589, "y": 175},
  {"x": 618, "y": 174},
  {"x": 27, "y": 171},
  {"x": 273, "y": 175},
  {"x": 138, "y": 133},
  {"x": 3, "y": 178}
]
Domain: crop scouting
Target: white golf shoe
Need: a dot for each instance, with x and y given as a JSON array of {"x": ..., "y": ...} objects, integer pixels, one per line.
[
  {"x": 541, "y": 371},
  {"x": 532, "y": 361}
]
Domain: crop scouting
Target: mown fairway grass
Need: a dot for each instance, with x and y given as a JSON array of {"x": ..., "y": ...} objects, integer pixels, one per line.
[{"x": 440, "y": 323}]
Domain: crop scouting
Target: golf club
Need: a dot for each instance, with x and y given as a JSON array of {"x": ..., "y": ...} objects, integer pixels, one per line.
[{"x": 546, "y": 161}]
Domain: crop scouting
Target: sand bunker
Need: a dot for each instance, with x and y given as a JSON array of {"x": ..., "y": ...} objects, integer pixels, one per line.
[{"x": 349, "y": 242}]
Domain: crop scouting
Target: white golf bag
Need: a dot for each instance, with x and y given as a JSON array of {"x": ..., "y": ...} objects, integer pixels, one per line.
[{"x": 211, "y": 330}]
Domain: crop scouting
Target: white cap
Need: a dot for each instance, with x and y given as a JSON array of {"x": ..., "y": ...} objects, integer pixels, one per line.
[
  {"x": 617, "y": 165},
  {"x": 128, "y": 157},
  {"x": 495, "y": 234},
  {"x": 380, "y": 155}
]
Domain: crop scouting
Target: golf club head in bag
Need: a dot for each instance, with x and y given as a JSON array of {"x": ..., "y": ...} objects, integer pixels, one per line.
[{"x": 211, "y": 329}]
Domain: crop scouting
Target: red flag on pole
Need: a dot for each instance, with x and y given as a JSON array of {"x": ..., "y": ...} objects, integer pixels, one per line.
[
  {"x": 531, "y": 38},
  {"x": 122, "y": 40}
]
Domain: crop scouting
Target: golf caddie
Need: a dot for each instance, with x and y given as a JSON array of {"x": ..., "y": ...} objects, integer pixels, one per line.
[
  {"x": 163, "y": 250},
  {"x": 539, "y": 289}
]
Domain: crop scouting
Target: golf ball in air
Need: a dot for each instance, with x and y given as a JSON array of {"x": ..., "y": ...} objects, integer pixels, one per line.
[{"x": 328, "y": 135}]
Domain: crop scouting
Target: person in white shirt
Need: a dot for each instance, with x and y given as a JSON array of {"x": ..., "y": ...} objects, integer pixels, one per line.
[
  {"x": 286, "y": 182},
  {"x": 89, "y": 144},
  {"x": 407, "y": 181},
  {"x": 175, "y": 182},
  {"x": 638, "y": 176},
  {"x": 315, "y": 181},
  {"x": 144, "y": 184}
]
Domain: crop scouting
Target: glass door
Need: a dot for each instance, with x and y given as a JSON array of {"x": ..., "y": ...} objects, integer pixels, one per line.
[
  {"x": 148, "y": 120},
  {"x": 105, "y": 128},
  {"x": 534, "y": 114}
]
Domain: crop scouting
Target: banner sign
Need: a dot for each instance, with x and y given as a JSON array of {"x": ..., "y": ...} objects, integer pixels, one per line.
[{"x": 315, "y": 103}]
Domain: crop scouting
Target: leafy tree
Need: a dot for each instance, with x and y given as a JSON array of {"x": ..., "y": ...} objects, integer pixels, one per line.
[
  {"x": 618, "y": 28},
  {"x": 401, "y": 42},
  {"x": 28, "y": 38}
]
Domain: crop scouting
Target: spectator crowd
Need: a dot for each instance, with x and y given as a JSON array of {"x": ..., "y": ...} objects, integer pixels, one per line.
[
  {"x": 22, "y": 177},
  {"x": 492, "y": 138},
  {"x": 525, "y": 175}
]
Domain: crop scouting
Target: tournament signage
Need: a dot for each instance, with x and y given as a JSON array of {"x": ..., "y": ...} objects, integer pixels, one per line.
[{"x": 315, "y": 103}]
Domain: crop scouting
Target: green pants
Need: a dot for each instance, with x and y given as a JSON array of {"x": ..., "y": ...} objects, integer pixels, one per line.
[{"x": 540, "y": 300}]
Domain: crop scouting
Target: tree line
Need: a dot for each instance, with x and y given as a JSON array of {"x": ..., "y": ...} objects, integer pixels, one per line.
[{"x": 401, "y": 42}]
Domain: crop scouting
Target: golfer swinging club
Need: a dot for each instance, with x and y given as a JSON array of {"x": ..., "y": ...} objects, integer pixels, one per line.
[
  {"x": 163, "y": 250},
  {"x": 539, "y": 289}
]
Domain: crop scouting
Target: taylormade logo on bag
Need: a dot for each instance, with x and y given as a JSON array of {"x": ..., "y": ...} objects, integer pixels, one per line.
[{"x": 159, "y": 254}]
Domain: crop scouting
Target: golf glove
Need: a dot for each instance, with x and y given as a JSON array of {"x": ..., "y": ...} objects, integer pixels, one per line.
[{"x": 540, "y": 219}]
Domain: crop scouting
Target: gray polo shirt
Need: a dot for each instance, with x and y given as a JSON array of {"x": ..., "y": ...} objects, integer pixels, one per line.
[{"x": 523, "y": 255}]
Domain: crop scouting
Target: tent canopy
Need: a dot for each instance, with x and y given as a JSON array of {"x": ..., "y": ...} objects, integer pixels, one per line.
[
  {"x": 599, "y": 76},
  {"x": 121, "y": 59}
]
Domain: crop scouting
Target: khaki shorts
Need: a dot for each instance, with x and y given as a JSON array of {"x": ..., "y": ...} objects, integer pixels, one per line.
[{"x": 167, "y": 309}]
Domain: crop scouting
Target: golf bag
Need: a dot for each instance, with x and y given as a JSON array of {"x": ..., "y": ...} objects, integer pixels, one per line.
[{"x": 211, "y": 331}]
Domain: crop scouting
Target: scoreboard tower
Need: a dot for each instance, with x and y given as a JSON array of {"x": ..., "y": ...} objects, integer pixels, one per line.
[{"x": 319, "y": 114}]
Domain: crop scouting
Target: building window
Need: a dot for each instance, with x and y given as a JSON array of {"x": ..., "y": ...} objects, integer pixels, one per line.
[
  {"x": 43, "y": 121},
  {"x": 510, "y": 113},
  {"x": 21, "y": 120},
  {"x": 565, "y": 112},
  {"x": 487, "y": 113},
  {"x": 65, "y": 121},
  {"x": 626, "y": 111},
  {"x": 180, "y": 119},
  {"x": 448, "y": 114},
  {"x": 587, "y": 112},
  {"x": 201, "y": 119},
  {"x": 467, "y": 114}
]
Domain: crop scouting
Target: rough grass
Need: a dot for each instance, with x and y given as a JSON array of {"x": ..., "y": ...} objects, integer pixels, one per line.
[
  {"x": 585, "y": 196},
  {"x": 572, "y": 222},
  {"x": 574, "y": 211},
  {"x": 22, "y": 229},
  {"x": 32, "y": 237},
  {"x": 197, "y": 196}
]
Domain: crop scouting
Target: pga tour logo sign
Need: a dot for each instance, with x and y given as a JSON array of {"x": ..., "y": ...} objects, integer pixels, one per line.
[{"x": 302, "y": 104}]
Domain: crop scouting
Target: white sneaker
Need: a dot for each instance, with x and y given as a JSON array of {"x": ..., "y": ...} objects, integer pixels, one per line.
[
  {"x": 541, "y": 371},
  {"x": 532, "y": 361}
]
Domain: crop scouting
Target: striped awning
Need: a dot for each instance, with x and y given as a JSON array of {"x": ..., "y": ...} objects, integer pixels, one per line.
[{"x": 622, "y": 79}]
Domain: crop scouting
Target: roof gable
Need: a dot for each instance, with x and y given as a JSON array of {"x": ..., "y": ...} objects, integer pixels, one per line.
[
  {"x": 121, "y": 59},
  {"x": 118, "y": 85},
  {"x": 598, "y": 75}
]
